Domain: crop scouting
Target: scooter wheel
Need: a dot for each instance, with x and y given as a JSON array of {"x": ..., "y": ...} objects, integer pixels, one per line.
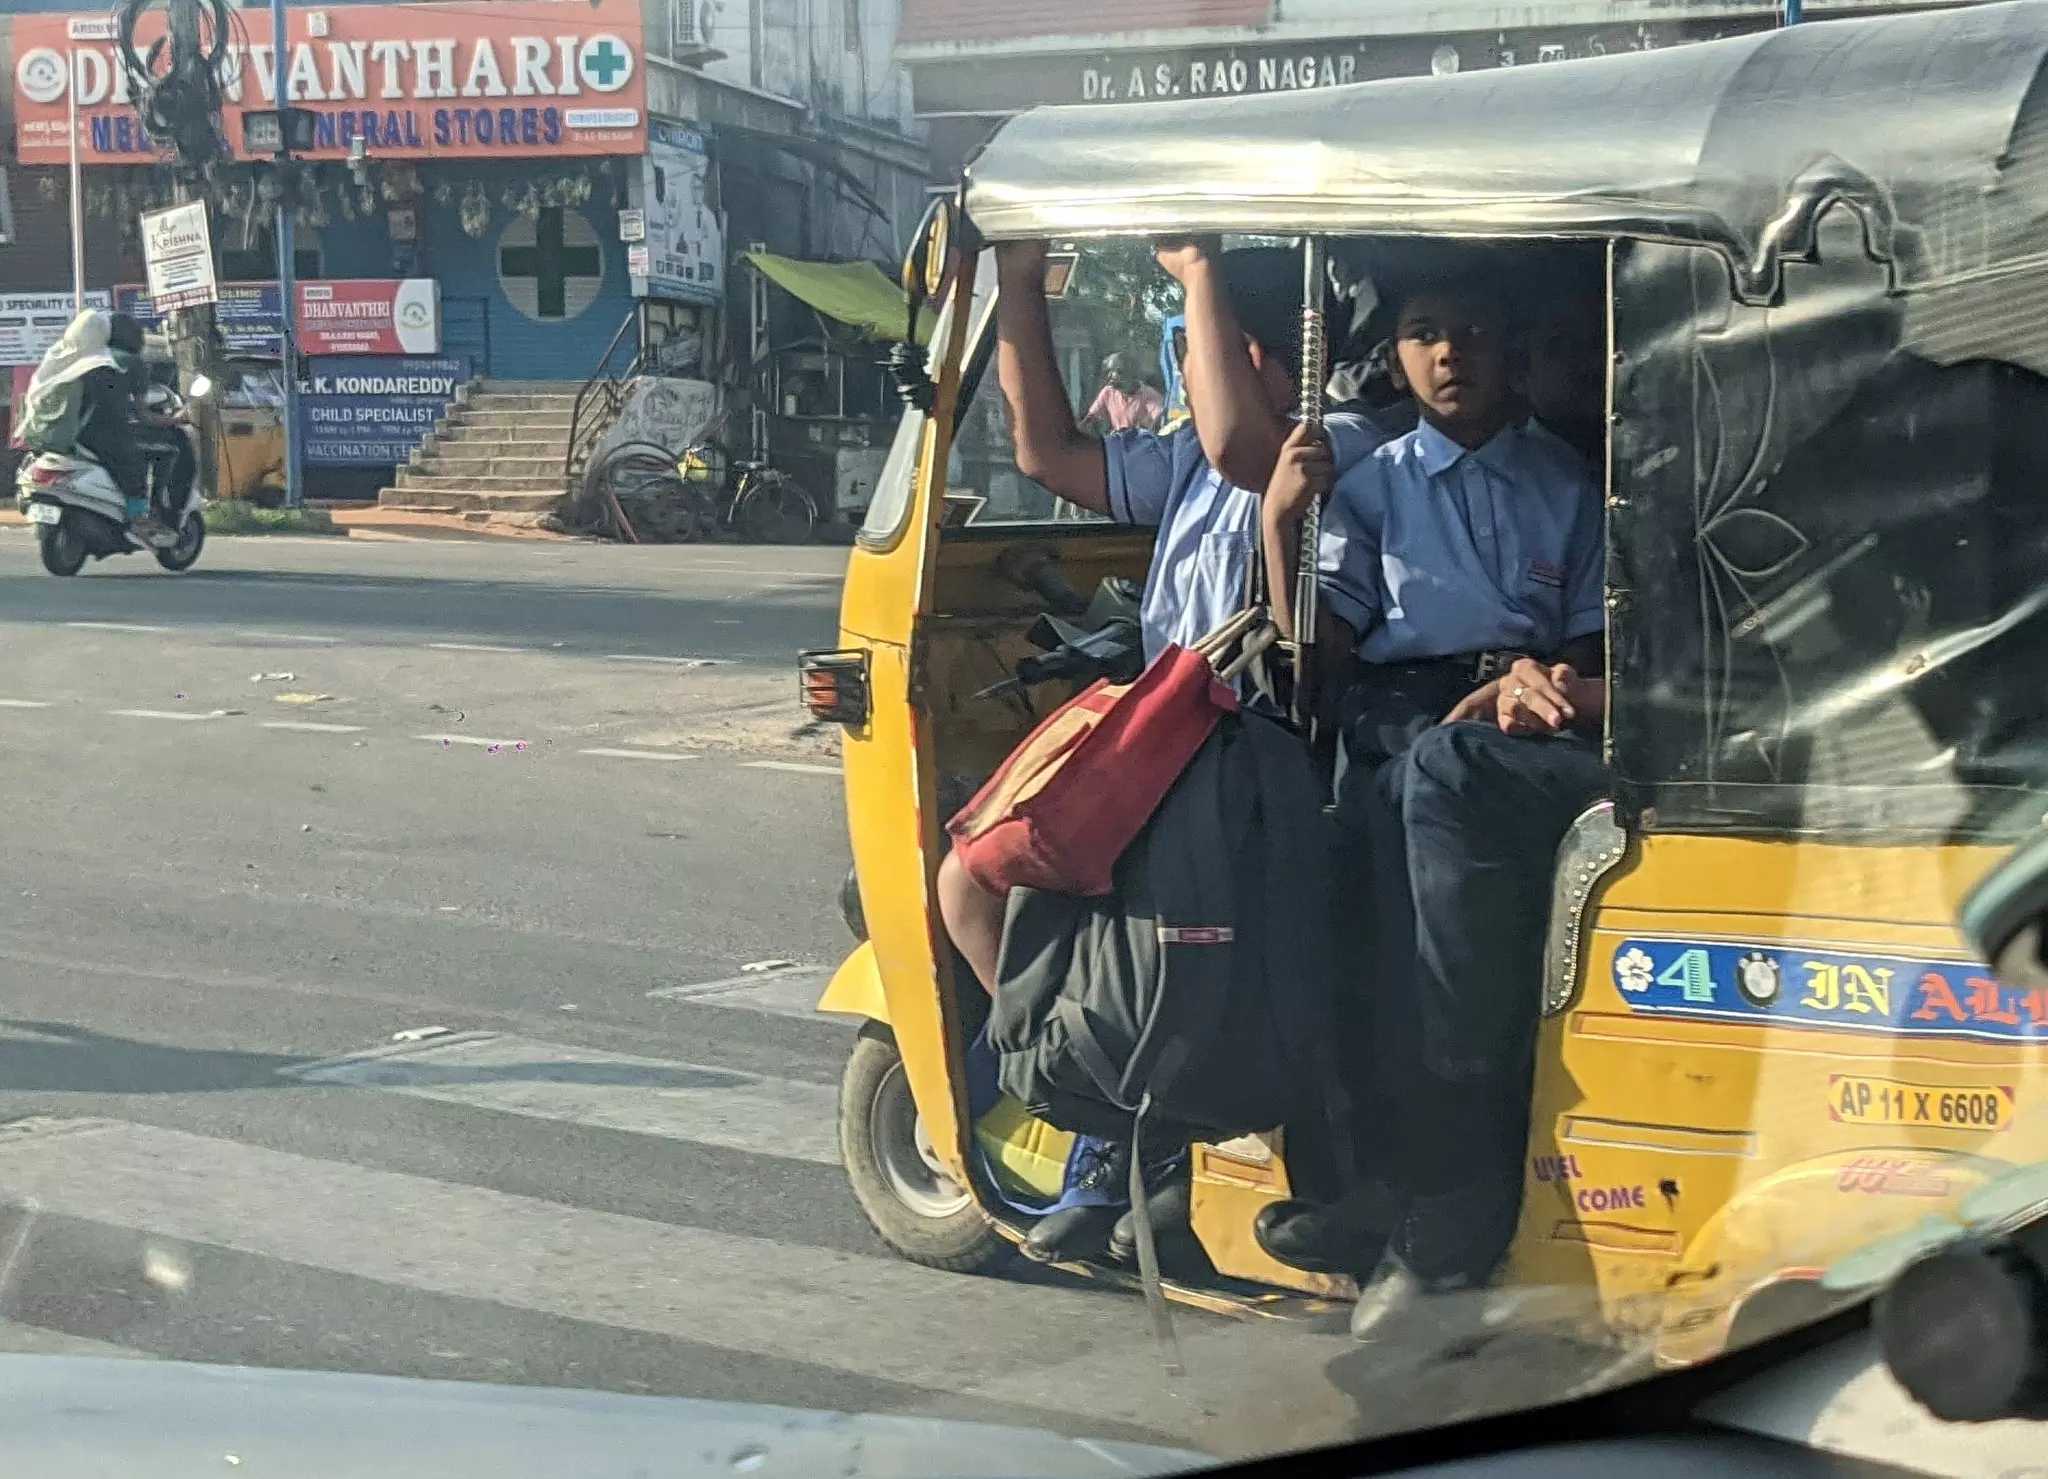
[
  {"x": 62, "y": 549},
  {"x": 185, "y": 553}
]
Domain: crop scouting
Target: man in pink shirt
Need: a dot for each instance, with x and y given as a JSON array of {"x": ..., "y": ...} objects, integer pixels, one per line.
[{"x": 1125, "y": 402}]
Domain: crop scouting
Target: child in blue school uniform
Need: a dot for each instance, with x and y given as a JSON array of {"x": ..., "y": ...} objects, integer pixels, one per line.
[
  {"x": 1454, "y": 549},
  {"x": 1199, "y": 486},
  {"x": 1466, "y": 574}
]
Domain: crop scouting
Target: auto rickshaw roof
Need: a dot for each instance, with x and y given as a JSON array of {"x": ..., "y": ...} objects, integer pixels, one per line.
[{"x": 1929, "y": 123}]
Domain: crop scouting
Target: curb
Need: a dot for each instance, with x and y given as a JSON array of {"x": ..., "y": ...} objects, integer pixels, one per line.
[
  {"x": 415, "y": 530},
  {"x": 397, "y": 524}
]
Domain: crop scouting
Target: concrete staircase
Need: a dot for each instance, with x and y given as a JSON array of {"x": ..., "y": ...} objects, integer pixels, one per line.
[{"x": 496, "y": 456}]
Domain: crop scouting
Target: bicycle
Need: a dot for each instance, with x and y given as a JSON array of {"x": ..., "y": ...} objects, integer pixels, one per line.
[
  {"x": 646, "y": 494},
  {"x": 759, "y": 503}
]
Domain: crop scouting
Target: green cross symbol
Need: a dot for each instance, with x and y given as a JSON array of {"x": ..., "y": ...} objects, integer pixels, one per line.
[
  {"x": 550, "y": 262},
  {"x": 604, "y": 62}
]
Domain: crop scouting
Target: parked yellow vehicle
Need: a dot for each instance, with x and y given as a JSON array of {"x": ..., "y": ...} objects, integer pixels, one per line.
[
  {"x": 1765, "y": 1048},
  {"x": 252, "y": 441}
]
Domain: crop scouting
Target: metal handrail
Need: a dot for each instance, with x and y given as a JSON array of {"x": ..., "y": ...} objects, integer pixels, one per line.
[{"x": 600, "y": 380}]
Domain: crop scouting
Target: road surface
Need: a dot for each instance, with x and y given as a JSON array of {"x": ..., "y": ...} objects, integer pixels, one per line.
[{"x": 408, "y": 952}]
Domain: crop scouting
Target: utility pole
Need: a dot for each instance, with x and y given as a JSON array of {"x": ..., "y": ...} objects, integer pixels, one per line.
[
  {"x": 192, "y": 329},
  {"x": 287, "y": 290},
  {"x": 77, "y": 185}
]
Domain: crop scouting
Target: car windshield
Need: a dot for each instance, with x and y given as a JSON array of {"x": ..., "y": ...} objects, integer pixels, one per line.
[{"x": 720, "y": 792}]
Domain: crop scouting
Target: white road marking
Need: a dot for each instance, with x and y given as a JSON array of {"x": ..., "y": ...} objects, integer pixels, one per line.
[
  {"x": 791, "y": 765},
  {"x": 182, "y": 716},
  {"x": 116, "y": 626},
  {"x": 481, "y": 741},
  {"x": 474, "y": 647},
  {"x": 737, "y": 568},
  {"x": 22, "y": 703},
  {"x": 290, "y": 637},
  {"x": 792, "y": 991},
  {"x": 637, "y": 754},
  {"x": 33, "y": 1340},
  {"x": 757, "y": 1295},
  {"x": 307, "y": 726},
  {"x": 673, "y": 662},
  {"x": 614, "y": 1091}
]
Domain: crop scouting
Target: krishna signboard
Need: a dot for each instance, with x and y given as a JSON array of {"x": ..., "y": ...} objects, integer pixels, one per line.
[{"x": 466, "y": 79}]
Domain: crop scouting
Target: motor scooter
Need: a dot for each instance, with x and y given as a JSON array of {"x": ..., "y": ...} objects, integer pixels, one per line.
[{"x": 80, "y": 513}]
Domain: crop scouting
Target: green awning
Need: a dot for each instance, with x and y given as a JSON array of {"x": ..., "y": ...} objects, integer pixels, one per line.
[{"x": 854, "y": 293}]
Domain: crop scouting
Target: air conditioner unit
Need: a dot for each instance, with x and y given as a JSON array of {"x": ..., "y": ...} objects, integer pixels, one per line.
[{"x": 689, "y": 33}]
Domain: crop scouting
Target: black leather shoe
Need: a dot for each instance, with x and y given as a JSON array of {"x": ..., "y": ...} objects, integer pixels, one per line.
[
  {"x": 1181, "y": 1255},
  {"x": 1345, "y": 1237},
  {"x": 1169, "y": 1207},
  {"x": 1456, "y": 1239},
  {"x": 1082, "y": 1232},
  {"x": 1071, "y": 1235}
]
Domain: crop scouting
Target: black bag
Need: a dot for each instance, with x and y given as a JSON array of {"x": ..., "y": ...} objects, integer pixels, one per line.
[{"x": 1198, "y": 995}]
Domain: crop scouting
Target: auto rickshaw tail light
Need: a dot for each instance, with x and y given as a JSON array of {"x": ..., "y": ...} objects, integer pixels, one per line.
[{"x": 835, "y": 685}]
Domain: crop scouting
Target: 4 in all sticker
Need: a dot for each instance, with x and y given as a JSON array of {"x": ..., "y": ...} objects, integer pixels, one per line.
[
  {"x": 1793, "y": 986},
  {"x": 1857, "y": 1100}
]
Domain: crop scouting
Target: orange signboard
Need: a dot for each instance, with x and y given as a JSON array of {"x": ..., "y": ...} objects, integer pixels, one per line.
[{"x": 499, "y": 79}]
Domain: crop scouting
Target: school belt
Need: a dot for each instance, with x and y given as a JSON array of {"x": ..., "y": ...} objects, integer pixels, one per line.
[{"x": 1473, "y": 667}]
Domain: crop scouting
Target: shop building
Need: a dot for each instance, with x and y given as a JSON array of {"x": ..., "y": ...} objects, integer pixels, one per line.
[
  {"x": 972, "y": 65},
  {"x": 487, "y": 147},
  {"x": 507, "y": 152}
]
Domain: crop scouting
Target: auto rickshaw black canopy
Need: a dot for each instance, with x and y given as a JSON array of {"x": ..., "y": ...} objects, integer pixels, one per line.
[
  {"x": 1827, "y": 571},
  {"x": 1919, "y": 120}
]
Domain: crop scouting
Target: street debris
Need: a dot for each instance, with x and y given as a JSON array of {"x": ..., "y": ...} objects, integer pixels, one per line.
[
  {"x": 757, "y": 967},
  {"x": 271, "y": 677},
  {"x": 418, "y": 1034},
  {"x": 303, "y": 698}
]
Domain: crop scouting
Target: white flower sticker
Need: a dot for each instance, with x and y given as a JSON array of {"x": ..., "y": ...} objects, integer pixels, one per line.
[{"x": 1632, "y": 971}]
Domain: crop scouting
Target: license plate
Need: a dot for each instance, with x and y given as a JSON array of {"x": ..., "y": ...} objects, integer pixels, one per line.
[
  {"x": 45, "y": 513},
  {"x": 1855, "y": 1100}
]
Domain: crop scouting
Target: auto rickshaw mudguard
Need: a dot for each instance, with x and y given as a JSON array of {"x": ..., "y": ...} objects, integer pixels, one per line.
[{"x": 855, "y": 989}]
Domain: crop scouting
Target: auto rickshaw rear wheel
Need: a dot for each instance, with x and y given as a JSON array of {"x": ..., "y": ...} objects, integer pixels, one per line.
[{"x": 909, "y": 1197}]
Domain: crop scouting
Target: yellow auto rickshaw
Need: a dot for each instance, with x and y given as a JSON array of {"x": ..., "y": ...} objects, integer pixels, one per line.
[
  {"x": 1766, "y": 1050},
  {"x": 251, "y": 456},
  {"x": 249, "y": 446}
]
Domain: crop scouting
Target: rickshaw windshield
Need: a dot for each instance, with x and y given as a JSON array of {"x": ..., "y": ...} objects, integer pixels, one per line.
[{"x": 1767, "y": 1063}]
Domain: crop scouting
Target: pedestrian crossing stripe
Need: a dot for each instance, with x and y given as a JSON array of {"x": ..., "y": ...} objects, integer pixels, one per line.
[
  {"x": 588, "y": 1086},
  {"x": 790, "y": 991},
  {"x": 872, "y": 1316}
]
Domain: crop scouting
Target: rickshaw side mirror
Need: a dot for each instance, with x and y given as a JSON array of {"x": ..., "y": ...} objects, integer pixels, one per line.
[
  {"x": 923, "y": 275},
  {"x": 924, "y": 265}
]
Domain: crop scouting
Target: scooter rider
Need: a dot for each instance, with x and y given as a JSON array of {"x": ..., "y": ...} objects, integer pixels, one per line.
[
  {"x": 79, "y": 403},
  {"x": 164, "y": 445}
]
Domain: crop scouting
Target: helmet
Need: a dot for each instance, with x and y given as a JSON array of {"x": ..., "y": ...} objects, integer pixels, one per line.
[{"x": 124, "y": 333}]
